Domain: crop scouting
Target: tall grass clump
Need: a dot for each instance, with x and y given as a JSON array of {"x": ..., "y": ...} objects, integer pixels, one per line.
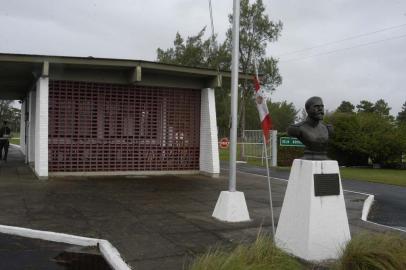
[
  {"x": 374, "y": 252},
  {"x": 260, "y": 255}
]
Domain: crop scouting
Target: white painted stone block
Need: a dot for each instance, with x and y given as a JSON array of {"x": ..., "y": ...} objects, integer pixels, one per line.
[
  {"x": 209, "y": 162},
  {"x": 312, "y": 228},
  {"x": 231, "y": 207}
]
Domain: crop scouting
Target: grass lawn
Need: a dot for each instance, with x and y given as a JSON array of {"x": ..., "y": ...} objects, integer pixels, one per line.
[
  {"x": 15, "y": 141},
  {"x": 15, "y": 138},
  {"x": 385, "y": 176}
]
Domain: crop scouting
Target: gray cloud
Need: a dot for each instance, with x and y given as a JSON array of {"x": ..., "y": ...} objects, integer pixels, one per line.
[{"x": 135, "y": 29}]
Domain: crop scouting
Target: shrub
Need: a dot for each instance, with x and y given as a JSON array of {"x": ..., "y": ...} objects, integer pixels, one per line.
[
  {"x": 260, "y": 255},
  {"x": 374, "y": 252}
]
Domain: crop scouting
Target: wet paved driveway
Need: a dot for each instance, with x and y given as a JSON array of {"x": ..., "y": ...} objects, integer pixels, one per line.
[{"x": 152, "y": 221}]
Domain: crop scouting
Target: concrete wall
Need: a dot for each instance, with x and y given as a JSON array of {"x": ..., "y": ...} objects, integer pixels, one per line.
[
  {"x": 41, "y": 128},
  {"x": 209, "y": 152}
]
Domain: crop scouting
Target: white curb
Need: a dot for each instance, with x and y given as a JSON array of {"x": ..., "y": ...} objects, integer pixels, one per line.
[
  {"x": 367, "y": 206},
  {"x": 109, "y": 252}
]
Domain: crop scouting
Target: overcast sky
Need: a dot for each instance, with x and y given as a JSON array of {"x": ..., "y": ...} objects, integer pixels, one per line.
[{"x": 371, "y": 67}]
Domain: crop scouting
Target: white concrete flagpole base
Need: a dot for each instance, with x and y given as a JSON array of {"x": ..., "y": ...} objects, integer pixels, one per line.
[
  {"x": 312, "y": 228},
  {"x": 231, "y": 207}
]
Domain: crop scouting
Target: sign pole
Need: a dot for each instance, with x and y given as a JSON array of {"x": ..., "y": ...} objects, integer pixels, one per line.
[{"x": 269, "y": 188}]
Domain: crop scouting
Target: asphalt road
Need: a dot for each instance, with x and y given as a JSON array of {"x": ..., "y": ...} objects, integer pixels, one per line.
[{"x": 389, "y": 207}]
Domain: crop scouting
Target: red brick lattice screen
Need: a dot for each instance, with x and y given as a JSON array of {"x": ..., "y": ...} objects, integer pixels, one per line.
[{"x": 109, "y": 127}]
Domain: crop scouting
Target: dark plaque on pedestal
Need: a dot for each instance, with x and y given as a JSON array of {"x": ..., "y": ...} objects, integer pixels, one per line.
[{"x": 326, "y": 184}]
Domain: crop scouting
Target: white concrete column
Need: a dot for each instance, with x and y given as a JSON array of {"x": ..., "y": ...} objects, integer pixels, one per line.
[
  {"x": 41, "y": 128},
  {"x": 22, "y": 127},
  {"x": 209, "y": 152},
  {"x": 31, "y": 127}
]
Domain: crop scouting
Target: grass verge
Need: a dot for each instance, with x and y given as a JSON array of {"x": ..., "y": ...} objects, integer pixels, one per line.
[
  {"x": 374, "y": 252},
  {"x": 384, "y": 176},
  {"x": 14, "y": 141},
  {"x": 262, "y": 254}
]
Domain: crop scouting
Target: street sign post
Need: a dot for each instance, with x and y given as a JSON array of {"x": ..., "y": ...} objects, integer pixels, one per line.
[{"x": 290, "y": 141}]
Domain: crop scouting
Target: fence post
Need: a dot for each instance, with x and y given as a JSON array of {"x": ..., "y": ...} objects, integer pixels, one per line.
[{"x": 274, "y": 148}]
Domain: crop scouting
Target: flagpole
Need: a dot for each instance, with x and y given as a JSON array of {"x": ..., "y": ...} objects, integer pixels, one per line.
[
  {"x": 231, "y": 205},
  {"x": 269, "y": 188},
  {"x": 234, "y": 94},
  {"x": 267, "y": 165}
]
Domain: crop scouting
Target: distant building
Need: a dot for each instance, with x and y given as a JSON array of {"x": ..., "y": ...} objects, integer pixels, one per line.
[{"x": 88, "y": 116}]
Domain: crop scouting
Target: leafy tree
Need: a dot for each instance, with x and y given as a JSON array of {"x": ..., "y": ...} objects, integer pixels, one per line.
[
  {"x": 365, "y": 106},
  {"x": 382, "y": 108},
  {"x": 196, "y": 51},
  {"x": 345, "y": 142},
  {"x": 345, "y": 107},
  {"x": 358, "y": 136},
  {"x": 401, "y": 118},
  {"x": 379, "y": 138},
  {"x": 283, "y": 114},
  {"x": 10, "y": 114}
]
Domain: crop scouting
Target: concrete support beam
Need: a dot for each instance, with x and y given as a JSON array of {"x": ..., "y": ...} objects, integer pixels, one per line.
[
  {"x": 215, "y": 82},
  {"x": 41, "y": 129},
  {"x": 22, "y": 127},
  {"x": 45, "y": 69},
  {"x": 136, "y": 75},
  {"x": 31, "y": 127},
  {"x": 209, "y": 152}
]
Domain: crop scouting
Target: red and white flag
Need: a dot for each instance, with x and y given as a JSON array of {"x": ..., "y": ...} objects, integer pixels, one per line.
[{"x": 264, "y": 117}]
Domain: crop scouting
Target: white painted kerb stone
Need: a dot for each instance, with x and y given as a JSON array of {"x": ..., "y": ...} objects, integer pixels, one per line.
[
  {"x": 309, "y": 227},
  {"x": 231, "y": 207}
]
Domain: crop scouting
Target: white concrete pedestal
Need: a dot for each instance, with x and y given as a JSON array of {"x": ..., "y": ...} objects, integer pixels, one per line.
[
  {"x": 231, "y": 207},
  {"x": 312, "y": 228}
]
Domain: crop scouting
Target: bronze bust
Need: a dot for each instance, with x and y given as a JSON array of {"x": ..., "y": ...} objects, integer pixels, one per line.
[{"x": 312, "y": 132}]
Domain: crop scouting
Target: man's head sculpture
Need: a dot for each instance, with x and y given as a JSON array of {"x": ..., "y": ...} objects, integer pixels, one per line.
[{"x": 313, "y": 133}]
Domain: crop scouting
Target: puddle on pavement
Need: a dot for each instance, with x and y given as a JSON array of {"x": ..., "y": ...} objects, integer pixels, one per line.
[{"x": 82, "y": 258}]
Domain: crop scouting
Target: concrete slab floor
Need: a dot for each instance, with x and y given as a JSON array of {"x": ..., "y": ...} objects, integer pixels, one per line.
[{"x": 152, "y": 221}]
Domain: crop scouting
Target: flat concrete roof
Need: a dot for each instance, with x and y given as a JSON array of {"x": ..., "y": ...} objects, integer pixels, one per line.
[{"x": 18, "y": 73}]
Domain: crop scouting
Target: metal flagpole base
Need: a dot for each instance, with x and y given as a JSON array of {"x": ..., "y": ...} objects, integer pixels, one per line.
[{"x": 231, "y": 207}]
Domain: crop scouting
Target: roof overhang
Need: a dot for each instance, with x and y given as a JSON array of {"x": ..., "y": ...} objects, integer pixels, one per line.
[{"x": 19, "y": 72}]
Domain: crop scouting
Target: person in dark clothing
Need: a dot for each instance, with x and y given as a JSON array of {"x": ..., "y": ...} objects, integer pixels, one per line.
[{"x": 4, "y": 143}]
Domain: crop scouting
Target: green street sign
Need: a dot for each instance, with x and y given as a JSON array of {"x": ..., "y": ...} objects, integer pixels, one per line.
[{"x": 290, "y": 141}]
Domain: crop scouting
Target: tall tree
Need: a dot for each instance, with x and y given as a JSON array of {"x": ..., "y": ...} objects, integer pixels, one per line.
[
  {"x": 10, "y": 114},
  {"x": 283, "y": 114},
  {"x": 345, "y": 107},
  {"x": 196, "y": 51},
  {"x": 382, "y": 108},
  {"x": 256, "y": 32},
  {"x": 401, "y": 118},
  {"x": 365, "y": 106}
]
